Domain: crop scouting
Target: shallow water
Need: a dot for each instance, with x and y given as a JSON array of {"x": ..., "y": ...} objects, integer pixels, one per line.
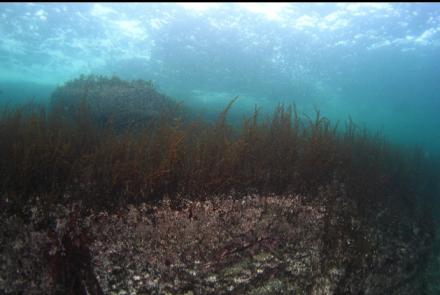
[{"x": 378, "y": 63}]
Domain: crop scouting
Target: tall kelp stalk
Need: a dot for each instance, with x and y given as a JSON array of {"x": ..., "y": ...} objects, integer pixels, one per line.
[{"x": 52, "y": 156}]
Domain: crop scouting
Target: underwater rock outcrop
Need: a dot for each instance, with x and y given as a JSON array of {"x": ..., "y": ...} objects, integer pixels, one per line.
[
  {"x": 252, "y": 245},
  {"x": 329, "y": 212},
  {"x": 124, "y": 104}
]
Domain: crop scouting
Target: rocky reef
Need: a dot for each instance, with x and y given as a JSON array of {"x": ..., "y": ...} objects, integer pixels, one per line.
[
  {"x": 111, "y": 100},
  {"x": 251, "y": 245},
  {"x": 111, "y": 191}
]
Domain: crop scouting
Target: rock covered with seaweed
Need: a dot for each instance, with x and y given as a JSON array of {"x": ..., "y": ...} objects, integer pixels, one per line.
[
  {"x": 124, "y": 104},
  {"x": 287, "y": 204}
]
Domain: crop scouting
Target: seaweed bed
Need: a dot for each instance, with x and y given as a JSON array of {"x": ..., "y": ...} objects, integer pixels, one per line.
[{"x": 92, "y": 203}]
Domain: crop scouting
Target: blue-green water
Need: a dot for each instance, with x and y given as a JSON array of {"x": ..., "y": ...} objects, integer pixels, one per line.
[{"x": 379, "y": 63}]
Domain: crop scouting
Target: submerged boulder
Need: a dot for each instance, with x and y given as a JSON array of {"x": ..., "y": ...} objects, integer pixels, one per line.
[{"x": 124, "y": 104}]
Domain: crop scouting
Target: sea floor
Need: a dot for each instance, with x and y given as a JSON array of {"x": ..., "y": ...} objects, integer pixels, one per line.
[{"x": 251, "y": 245}]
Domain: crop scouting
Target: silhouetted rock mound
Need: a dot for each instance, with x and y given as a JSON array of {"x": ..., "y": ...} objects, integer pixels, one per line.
[{"x": 123, "y": 104}]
